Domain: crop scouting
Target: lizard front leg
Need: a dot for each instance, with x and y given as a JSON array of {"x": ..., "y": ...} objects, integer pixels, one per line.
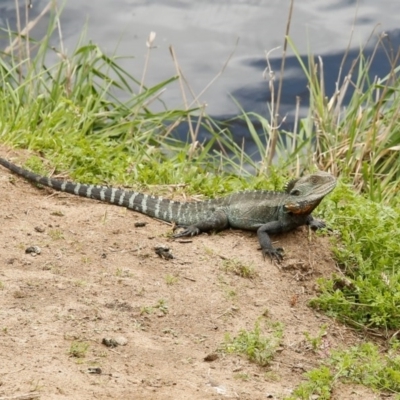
[
  {"x": 315, "y": 223},
  {"x": 218, "y": 221},
  {"x": 265, "y": 241}
]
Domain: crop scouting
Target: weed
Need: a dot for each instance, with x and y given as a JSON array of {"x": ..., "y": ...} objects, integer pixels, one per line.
[
  {"x": 319, "y": 384},
  {"x": 362, "y": 364},
  {"x": 161, "y": 306},
  {"x": 79, "y": 283},
  {"x": 366, "y": 293},
  {"x": 171, "y": 279},
  {"x": 242, "y": 376},
  {"x": 239, "y": 268},
  {"x": 258, "y": 348},
  {"x": 56, "y": 234},
  {"x": 124, "y": 273},
  {"x": 57, "y": 213},
  {"x": 146, "y": 310},
  {"x": 316, "y": 341},
  {"x": 230, "y": 294},
  {"x": 85, "y": 260},
  {"x": 78, "y": 349}
]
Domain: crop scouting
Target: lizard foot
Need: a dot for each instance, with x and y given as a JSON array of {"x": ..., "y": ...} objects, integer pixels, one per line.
[
  {"x": 190, "y": 230},
  {"x": 274, "y": 252},
  {"x": 317, "y": 224}
]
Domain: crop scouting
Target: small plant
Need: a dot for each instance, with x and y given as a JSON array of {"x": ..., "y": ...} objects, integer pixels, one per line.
[
  {"x": 146, "y": 310},
  {"x": 242, "y": 377},
  {"x": 171, "y": 279},
  {"x": 162, "y": 306},
  {"x": 363, "y": 364},
  {"x": 57, "y": 213},
  {"x": 123, "y": 273},
  {"x": 80, "y": 283},
  {"x": 78, "y": 349},
  {"x": 85, "y": 260},
  {"x": 258, "y": 348},
  {"x": 366, "y": 293},
  {"x": 319, "y": 385},
  {"x": 56, "y": 234},
  {"x": 230, "y": 294},
  {"x": 239, "y": 268},
  {"x": 316, "y": 341}
]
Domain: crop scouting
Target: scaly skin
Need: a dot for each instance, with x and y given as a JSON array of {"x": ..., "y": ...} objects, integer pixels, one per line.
[{"x": 263, "y": 211}]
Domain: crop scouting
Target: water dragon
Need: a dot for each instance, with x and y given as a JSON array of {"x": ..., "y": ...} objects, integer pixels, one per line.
[{"x": 266, "y": 212}]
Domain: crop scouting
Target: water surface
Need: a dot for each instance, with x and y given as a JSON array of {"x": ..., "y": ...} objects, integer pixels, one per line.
[{"x": 204, "y": 34}]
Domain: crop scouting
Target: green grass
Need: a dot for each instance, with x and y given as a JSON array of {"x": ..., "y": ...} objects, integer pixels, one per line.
[
  {"x": 78, "y": 349},
  {"x": 258, "y": 347},
  {"x": 362, "y": 138},
  {"x": 363, "y": 364},
  {"x": 240, "y": 268},
  {"x": 367, "y": 291}
]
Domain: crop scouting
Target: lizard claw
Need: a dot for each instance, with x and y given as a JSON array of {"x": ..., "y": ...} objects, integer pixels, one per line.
[
  {"x": 187, "y": 231},
  {"x": 317, "y": 224},
  {"x": 276, "y": 253}
]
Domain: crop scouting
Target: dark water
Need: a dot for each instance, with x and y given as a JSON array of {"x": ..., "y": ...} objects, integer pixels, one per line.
[{"x": 204, "y": 34}]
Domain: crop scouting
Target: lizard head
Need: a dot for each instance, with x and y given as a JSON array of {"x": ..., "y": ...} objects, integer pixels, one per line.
[{"x": 306, "y": 193}]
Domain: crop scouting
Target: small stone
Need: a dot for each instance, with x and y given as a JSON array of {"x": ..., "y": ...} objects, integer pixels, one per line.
[
  {"x": 34, "y": 250},
  {"x": 94, "y": 370},
  {"x": 114, "y": 342},
  {"x": 163, "y": 251},
  {"x": 140, "y": 224},
  {"x": 121, "y": 340},
  {"x": 109, "y": 342},
  {"x": 211, "y": 357}
]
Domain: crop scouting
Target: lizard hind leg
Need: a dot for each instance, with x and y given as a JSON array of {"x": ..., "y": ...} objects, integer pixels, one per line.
[{"x": 217, "y": 221}]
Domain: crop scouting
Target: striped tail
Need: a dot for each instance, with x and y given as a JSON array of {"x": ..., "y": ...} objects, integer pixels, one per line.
[{"x": 153, "y": 206}]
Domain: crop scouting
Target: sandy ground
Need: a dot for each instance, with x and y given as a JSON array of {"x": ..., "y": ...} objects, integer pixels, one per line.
[{"x": 98, "y": 277}]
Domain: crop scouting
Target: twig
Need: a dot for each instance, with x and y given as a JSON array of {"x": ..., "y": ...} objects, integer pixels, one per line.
[
  {"x": 274, "y": 133},
  {"x": 28, "y": 396},
  {"x": 28, "y": 27}
]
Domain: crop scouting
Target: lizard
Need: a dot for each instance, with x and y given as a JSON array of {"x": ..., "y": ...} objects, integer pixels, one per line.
[{"x": 263, "y": 211}]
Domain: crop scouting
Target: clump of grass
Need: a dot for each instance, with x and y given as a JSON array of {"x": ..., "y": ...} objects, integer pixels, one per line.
[
  {"x": 363, "y": 364},
  {"x": 316, "y": 341},
  {"x": 253, "y": 344},
  {"x": 366, "y": 291},
  {"x": 161, "y": 306},
  {"x": 56, "y": 234},
  {"x": 72, "y": 114},
  {"x": 360, "y": 139},
  {"x": 239, "y": 268},
  {"x": 319, "y": 384},
  {"x": 171, "y": 279},
  {"x": 78, "y": 349}
]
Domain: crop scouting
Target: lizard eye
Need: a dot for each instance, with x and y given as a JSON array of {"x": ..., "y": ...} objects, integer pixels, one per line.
[{"x": 295, "y": 192}]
